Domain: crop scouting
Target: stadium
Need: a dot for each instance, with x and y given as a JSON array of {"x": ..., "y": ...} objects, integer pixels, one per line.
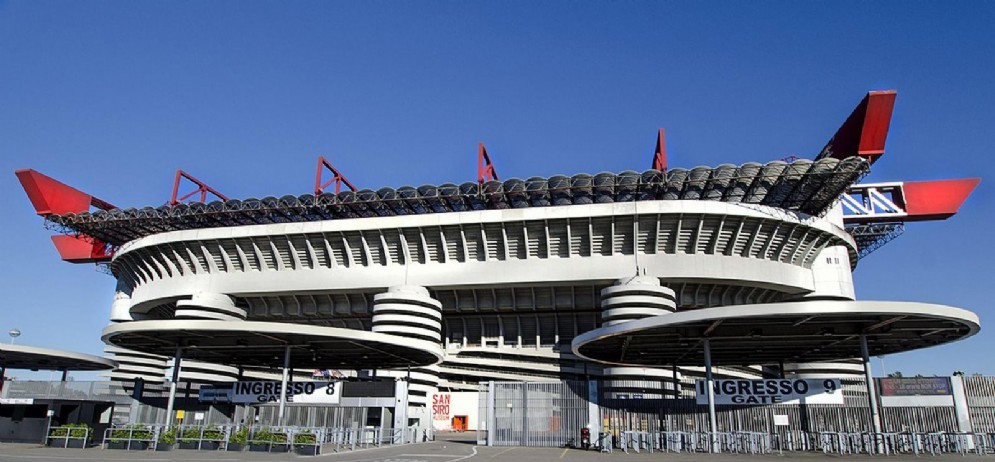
[{"x": 618, "y": 290}]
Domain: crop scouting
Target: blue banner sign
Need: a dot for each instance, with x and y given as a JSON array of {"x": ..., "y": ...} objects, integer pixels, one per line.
[{"x": 914, "y": 386}]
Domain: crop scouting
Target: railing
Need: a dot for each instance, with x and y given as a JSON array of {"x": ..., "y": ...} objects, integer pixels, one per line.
[
  {"x": 210, "y": 437},
  {"x": 65, "y": 434},
  {"x": 836, "y": 443},
  {"x": 305, "y": 440},
  {"x": 130, "y": 437}
]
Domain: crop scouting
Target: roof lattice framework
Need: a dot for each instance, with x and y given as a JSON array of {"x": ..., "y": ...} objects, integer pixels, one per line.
[{"x": 805, "y": 186}]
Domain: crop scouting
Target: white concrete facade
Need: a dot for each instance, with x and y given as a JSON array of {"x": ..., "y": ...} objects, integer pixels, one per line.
[{"x": 511, "y": 287}]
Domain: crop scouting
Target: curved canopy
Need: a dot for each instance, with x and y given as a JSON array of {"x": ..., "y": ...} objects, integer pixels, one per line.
[
  {"x": 821, "y": 330},
  {"x": 35, "y": 358},
  {"x": 262, "y": 344}
]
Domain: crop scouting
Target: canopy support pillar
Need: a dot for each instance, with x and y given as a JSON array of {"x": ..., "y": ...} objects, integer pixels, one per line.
[
  {"x": 710, "y": 392},
  {"x": 172, "y": 386},
  {"x": 283, "y": 385},
  {"x": 872, "y": 399}
]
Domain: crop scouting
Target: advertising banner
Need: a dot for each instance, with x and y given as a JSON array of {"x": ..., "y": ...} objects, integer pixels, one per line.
[
  {"x": 773, "y": 391},
  {"x": 256, "y": 392},
  {"x": 914, "y": 386}
]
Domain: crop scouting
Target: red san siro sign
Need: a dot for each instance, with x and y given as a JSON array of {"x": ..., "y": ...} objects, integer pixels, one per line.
[{"x": 441, "y": 406}]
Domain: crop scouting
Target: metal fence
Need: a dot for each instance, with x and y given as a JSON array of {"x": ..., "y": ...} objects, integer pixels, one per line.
[
  {"x": 552, "y": 414},
  {"x": 535, "y": 413}
]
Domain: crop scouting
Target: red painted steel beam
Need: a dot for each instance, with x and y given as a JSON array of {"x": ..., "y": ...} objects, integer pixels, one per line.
[
  {"x": 936, "y": 200},
  {"x": 485, "y": 168},
  {"x": 337, "y": 177},
  {"x": 660, "y": 154},
  {"x": 52, "y": 197},
  {"x": 202, "y": 188},
  {"x": 81, "y": 249},
  {"x": 866, "y": 129}
]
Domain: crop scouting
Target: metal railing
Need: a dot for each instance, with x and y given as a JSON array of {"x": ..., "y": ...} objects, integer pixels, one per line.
[
  {"x": 195, "y": 436},
  {"x": 835, "y": 443},
  {"x": 69, "y": 433},
  {"x": 265, "y": 438},
  {"x": 131, "y": 436}
]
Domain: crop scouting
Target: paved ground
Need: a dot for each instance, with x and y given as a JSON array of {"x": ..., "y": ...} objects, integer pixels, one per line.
[{"x": 449, "y": 448}]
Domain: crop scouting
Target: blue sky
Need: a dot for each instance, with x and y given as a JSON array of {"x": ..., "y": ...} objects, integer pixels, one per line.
[{"x": 113, "y": 97}]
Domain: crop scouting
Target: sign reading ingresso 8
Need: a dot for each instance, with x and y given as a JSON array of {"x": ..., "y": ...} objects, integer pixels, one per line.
[{"x": 269, "y": 392}]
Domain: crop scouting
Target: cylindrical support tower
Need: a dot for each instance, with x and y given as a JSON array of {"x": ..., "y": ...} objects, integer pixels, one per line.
[
  {"x": 409, "y": 311},
  {"x": 210, "y": 306},
  {"x": 635, "y": 298},
  {"x": 134, "y": 365},
  {"x": 628, "y": 300}
]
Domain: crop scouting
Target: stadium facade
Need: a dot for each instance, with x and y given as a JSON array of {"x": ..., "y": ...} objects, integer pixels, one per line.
[{"x": 494, "y": 280}]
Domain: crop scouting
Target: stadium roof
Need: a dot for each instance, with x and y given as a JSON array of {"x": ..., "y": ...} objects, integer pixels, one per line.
[{"x": 804, "y": 186}]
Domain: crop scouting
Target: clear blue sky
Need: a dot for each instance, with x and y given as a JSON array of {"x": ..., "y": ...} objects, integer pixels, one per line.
[{"x": 113, "y": 97}]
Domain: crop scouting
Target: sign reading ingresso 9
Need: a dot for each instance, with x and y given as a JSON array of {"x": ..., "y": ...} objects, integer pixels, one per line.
[{"x": 774, "y": 391}]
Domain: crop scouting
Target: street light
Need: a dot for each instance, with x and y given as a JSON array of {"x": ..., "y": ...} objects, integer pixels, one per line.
[{"x": 14, "y": 333}]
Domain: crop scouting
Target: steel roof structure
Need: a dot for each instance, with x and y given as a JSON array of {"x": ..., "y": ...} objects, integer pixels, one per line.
[{"x": 801, "y": 186}]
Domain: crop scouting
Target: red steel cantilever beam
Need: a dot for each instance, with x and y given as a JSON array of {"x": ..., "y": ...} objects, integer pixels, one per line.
[
  {"x": 906, "y": 201},
  {"x": 936, "y": 200},
  {"x": 52, "y": 197},
  {"x": 660, "y": 154},
  {"x": 337, "y": 177},
  {"x": 866, "y": 129},
  {"x": 485, "y": 168},
  {"x": 202, "y": 188}
]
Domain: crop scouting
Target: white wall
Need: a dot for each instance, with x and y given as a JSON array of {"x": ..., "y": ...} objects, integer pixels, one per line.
[{"x": 447, "y": 405}]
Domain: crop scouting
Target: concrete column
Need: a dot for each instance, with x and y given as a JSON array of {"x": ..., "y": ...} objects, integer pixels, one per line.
[
  {"x": 961, "y": 409},
  {"x": 872, "y": 399},
  {"x": 172, "y": 386},
  {"x": 710, "y": 393},
  {"x": 283, "y": 385},
  {"x": 65, "y": 375},
  {"x": 400, "y": 410}
]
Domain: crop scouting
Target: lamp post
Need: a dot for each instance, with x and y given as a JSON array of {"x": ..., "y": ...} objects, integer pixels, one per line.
[{"x": 14, "y": 333}]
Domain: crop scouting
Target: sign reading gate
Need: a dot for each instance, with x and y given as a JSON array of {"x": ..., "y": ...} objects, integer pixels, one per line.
[
  {"x": 297, "y": 392},
  {"x": 774, "y": 391}
]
